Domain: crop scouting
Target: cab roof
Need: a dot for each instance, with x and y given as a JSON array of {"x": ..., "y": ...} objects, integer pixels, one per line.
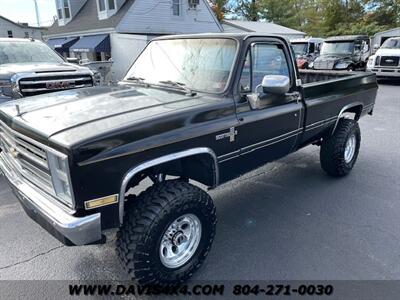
[
  {"x": 346, "y": 38},
  {"x": 307, "y": 40},
  {"x": 237, "y": 36}
]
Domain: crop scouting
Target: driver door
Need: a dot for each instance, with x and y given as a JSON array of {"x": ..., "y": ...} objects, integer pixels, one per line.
[{"x": 271, "y": 131}]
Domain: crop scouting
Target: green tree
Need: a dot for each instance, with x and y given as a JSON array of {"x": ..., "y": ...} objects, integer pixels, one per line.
[
  {"x": 220, "y": 8},
  {"x": 248, "y": 9}
]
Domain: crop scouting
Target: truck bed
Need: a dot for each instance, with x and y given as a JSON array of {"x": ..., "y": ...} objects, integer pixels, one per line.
[
  {"x": 328, "y": 93},
  {"x": 312, "y": 76}
]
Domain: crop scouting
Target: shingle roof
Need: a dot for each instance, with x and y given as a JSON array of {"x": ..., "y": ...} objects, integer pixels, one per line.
[
  {"x": 263, "y": 27},
  {"x": 87, "y": 19},
  {"x": 22, "y": 25}
]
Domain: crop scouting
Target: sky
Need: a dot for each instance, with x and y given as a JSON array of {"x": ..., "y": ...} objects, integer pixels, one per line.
[{"x": 24, "y": 11}]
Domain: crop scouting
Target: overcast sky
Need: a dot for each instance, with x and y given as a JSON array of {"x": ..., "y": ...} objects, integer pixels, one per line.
[{"x": 24, "y": 11}]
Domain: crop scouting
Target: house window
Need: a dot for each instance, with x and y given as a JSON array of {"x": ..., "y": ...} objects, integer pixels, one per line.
[
  {"x": 10, "y": 34},
  {"x": 111, "y": 4},
  {"x": 59, "y": 9},
  {"x": 67, "y": 13},
  {"x": 102, "y": 5},
  {"x": 176, "y": 7},
  {"x": 26, "y": 35}
]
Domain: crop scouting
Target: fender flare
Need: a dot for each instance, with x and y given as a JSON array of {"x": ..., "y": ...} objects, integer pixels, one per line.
[
  {"x": 158, "y": 161},
  {"x": 343, "y": 110}
]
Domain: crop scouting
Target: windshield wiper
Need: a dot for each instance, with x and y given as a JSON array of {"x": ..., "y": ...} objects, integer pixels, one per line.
[
  {"x": 138, "y": 80},
  {"x": 179, "y": 85}
]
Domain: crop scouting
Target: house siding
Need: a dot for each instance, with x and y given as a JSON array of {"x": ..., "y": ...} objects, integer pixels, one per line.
[
  {"x": 18, "y": 31},
  {"x": 155, "y": 17},
  {"x": 125, "y": 49}
]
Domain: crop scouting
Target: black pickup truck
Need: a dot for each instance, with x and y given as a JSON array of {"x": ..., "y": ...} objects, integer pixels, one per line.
[{"x": 194, "y": 108}]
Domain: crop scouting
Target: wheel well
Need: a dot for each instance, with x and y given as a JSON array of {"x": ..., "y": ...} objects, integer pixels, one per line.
[
  {"x": 355, "y": 111},
  {"x": 198, "y": 164}
]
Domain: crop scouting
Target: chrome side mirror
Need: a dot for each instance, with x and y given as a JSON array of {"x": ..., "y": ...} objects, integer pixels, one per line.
[
  {"x": 276, "y": 84},
  {"x": 271, "y": 84},
  {"x": 73, "y": 60}
]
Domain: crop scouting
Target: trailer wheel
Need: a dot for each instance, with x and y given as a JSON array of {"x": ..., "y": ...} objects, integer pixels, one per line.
[
  {"x": 339, "y": 152},
  {"x": 167, "y": 233}
]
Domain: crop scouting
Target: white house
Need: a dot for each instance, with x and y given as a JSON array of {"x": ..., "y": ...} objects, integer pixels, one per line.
[
  {"x": 11, "y": 29},
  {"x": 234, "y": 26},
  {"x": 98, "y": 30}
]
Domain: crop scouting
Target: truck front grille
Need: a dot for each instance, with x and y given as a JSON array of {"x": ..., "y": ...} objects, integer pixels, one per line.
[
  {"x": 389, "y": 61},
  {"x": 30, "y": 86},
  {"x": 324, "y": 65},
  {"x": 24, "y": 156}
]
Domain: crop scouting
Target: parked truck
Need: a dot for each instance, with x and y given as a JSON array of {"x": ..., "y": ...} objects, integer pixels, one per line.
[
  {"x": 386, "y": 61},
  {"x": 192, "y": 108},
  {"x": 29, "y": 67},
  {"x": 306, "y": 51},
  {"x": 340, "y": 53}
]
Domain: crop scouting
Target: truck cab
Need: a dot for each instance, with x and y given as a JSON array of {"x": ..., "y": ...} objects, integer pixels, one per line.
[
  {"x": 306, "y": 50},
  {"x": 386, "y": 61},
  {"x": 29, "y": 67},
  {"x": 349, "y": 53}
]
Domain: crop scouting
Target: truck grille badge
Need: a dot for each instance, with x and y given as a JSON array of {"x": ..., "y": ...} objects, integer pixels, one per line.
[{"x": 231, "y": 135}]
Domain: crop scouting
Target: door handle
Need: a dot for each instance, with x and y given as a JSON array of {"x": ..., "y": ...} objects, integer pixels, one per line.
[{"x": 295, "y": 96}]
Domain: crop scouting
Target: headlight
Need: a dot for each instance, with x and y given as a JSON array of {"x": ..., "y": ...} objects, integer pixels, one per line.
[
  {"x": 370, "y": 62},
  {"x": 5, "y": 89},
  {"x": 60, "y": 176},
  {"x": 97, "y": 78}
]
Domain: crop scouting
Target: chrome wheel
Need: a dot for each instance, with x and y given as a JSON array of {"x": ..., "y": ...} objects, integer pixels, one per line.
[
  {"x": 350, "y": 148},
  {"x": 180, "y": 241}
]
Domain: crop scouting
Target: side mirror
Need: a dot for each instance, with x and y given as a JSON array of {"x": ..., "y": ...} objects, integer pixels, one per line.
[
  {"x": 366, "y": 48},
  {"x": 277, "y": 85},
  {"x": 73, "y": 60}
]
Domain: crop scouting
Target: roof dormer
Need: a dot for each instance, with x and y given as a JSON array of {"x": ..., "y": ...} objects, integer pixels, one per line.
[
  {"x": 67, "y": 9},
  {"x": 108, "y": 8}
]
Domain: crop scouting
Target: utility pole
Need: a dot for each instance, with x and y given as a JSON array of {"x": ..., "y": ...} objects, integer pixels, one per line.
[{"x": 37, "y": 13}]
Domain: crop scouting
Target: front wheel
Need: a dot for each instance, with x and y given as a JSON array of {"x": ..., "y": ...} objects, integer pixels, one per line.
[
  {"x": 167, "y": 233},
  {"x": 339, "y": 152}
]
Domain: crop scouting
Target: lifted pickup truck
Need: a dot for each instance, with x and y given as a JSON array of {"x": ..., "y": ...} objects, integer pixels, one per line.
[
  {"x": 192, "y": 108},
  {"x": 29, "y": 67}
]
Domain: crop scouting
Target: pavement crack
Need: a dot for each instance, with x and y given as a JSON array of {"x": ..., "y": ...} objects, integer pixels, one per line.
[{"x": 32, "y": 258}]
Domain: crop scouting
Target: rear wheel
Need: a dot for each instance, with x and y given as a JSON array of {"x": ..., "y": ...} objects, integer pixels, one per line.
[
  {"x": 167, "y": 233},
  {"x": 339, "y": 152}
]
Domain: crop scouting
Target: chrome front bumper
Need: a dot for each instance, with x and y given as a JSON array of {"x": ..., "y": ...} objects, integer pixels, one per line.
[
  {"x": 42, "y": 208},
  {"x": 385, "y": 72}
]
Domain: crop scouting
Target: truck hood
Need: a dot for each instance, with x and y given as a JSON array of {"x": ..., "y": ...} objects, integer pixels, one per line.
[
  {"x": 90, "y": 111},
  {"x": 8, "y": 70},
  {"x": 388, "y": 52}
]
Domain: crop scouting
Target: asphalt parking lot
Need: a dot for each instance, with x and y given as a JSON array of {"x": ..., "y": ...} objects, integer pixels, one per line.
[{"x": 287, "y": 220}]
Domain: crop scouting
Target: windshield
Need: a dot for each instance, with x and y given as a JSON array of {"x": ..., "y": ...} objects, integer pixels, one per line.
[
  {"x": 198, "y": 64},
  {"x": 337, "y": 48},
  {"x": 300, "y": 48},
  {"x": 391, "y": 44},
  {"x": 26, "y": 52}
]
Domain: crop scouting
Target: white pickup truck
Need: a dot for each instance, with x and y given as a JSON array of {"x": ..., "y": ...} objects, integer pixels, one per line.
[
  {"x": 29, "y": 67},
  {"x": 386, "y": 61}
]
